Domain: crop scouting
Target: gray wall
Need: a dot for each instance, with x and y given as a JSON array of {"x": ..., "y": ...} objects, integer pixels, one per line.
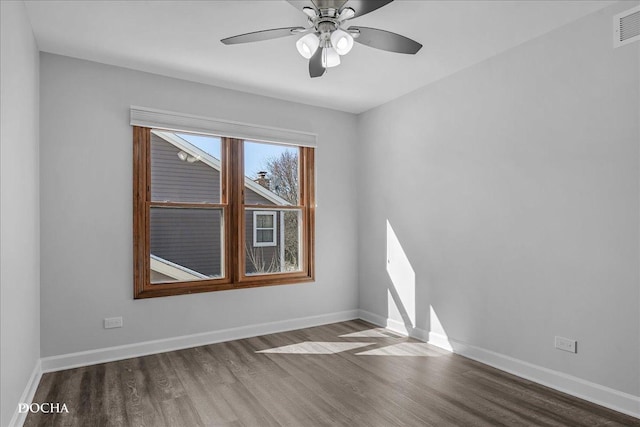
[
  {"x": 86, "y": 204},
  {"x": 19, "y": 206},
  {"x": 512, "y": 190}
]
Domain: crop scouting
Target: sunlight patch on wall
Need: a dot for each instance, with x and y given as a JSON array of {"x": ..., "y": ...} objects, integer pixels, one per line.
[
  {"x": 316, "y": 347},
  {"x": 437, "y": 334},
  {"x": 401, "y": 297}
]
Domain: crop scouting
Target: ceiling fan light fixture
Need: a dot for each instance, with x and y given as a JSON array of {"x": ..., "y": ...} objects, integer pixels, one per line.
[
  {"x": 328, "y": 35},
  {"x": 310, "y": 12},
  {"x": 330, "y": 57},
  {"x": 347, "y": 13},
  {"x": 307, "y": 45},
  {"x": 341, "y": 41}
]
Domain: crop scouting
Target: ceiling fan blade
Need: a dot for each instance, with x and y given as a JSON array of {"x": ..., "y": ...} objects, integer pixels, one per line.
[
  {"x": 301, "y": 4},
  {"x": 329, "y": 4},
  {"x": 363, "y": 7},
  {"x": 318, "y": 4},
  {"x": 386, "y": 40},
  {"x": 315, "y": 64},
  {"x": 257, "y": 36}
]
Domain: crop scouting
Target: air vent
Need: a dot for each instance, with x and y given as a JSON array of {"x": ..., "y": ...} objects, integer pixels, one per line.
[{"x": 626, "y": 27}]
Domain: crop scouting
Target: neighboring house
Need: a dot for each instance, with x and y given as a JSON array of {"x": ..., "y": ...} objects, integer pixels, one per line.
[{"x": 186, "y": 242}]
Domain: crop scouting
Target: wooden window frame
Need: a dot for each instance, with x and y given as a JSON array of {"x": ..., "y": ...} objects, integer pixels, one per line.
[{"x": 233, "y": 208}]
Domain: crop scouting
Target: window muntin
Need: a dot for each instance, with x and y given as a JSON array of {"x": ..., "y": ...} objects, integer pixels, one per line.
[{"x": 229, "y": 203}]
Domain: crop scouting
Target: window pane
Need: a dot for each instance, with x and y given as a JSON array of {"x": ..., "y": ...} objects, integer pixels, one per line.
[
  {"x": 284, "y": 254},
  {"x": 185, "y": 168},
  {"x": 186, "y": 244},
  {"x": 265, "y": 221},
  {"x": 271, "y": 174},
  {"x": 264, "y": 235}
]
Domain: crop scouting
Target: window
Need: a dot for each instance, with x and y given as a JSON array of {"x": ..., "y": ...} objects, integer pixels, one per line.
[
  {"x": 265, "y": 229},
  {"x": 216, "y": 213}
]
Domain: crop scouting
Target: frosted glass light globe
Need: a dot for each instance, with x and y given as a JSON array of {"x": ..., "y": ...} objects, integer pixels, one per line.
[
  {"x": 330, "y": 58},
  {"x": 307, "y": 45},
  {"x": 341, "y": 41}
]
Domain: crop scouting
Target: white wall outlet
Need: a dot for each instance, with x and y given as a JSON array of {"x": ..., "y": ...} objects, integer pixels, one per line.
[
  {"x": 112, "y": 322},
  {"x": 566, "y": 344}
]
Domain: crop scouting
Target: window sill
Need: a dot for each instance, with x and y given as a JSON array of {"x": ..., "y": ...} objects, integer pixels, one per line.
[{"x": 182, "y": 288}]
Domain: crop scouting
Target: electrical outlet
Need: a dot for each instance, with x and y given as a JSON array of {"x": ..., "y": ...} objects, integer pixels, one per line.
[
  {"x": 112, "y": 322},
  {"x": 566, "y": 344}
]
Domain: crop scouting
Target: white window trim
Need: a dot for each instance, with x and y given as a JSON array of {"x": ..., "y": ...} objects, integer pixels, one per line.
[
  {"x": 274, "y": 242},
  {"x": 169, "y": 120}
]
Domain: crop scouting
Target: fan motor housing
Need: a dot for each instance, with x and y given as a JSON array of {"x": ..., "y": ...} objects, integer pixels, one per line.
[
  {"x": 329, "y": 12},
  {"x": 324, "y": 26}
]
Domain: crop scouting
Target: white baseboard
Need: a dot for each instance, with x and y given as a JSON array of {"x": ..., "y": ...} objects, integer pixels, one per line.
[
  {"x": 109, "y": 354},
  {"x": 18, "y": 418},
  {"x": 598, "y": 394},
  {"x": 373, "y": 318},
  {"x": 587, "y": 390},
  {"x": 440, "y": 340},
  {"x": 394, "y": 325},
  {"x": 592, "y": 392}
]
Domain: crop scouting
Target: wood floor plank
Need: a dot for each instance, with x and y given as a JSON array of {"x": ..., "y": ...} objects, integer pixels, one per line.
[
  {"x": 161, "y": 379},
  {"x": 344, "y": 374},
  {"x": 114, "y": 409},
  {"x": 350, "y": 386},
  {"x": 277, "y": 399},
  {"x": 397, "y": 374},
  {"x": 247, "y": 408},
  {"x": 141, "y": 410},
  {"x": 92, "y": 402},
  {"x": 202, "y": 388},
  {"x": 215, "y": 371},
  {"x": 179, "y": 411},
  {"x": 306, "y": 393},
  {"x": 327, "y": 388}
]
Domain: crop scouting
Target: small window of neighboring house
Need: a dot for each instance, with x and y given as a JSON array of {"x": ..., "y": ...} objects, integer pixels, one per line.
[{"x": 265, "y": 228}]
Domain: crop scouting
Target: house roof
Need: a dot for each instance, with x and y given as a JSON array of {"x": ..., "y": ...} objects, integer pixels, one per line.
[
  {"x": 173, "y": 270},
  {"x": 215, "y": 163}
]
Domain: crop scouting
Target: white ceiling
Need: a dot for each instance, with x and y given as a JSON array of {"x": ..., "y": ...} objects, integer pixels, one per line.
[{"x": 182, "y": 39}]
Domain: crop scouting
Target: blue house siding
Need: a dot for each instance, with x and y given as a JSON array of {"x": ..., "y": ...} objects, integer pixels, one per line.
[
  {"x": 175, "y": 180},
  {"x": 187, "y": 237}
]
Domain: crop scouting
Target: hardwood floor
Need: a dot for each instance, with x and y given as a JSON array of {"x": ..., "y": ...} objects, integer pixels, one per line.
[{"x": 344, "y": 374}]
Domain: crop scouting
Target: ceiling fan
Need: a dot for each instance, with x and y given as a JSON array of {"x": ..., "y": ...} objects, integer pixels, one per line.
[{"x": 329, "y": 35}]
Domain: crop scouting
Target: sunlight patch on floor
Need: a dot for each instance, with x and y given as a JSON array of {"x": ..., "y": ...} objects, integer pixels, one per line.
[
  {"x": 316, "y": 347},
  {"x": 369, "y": 333},
  {"x": 412, "y": 349}
]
